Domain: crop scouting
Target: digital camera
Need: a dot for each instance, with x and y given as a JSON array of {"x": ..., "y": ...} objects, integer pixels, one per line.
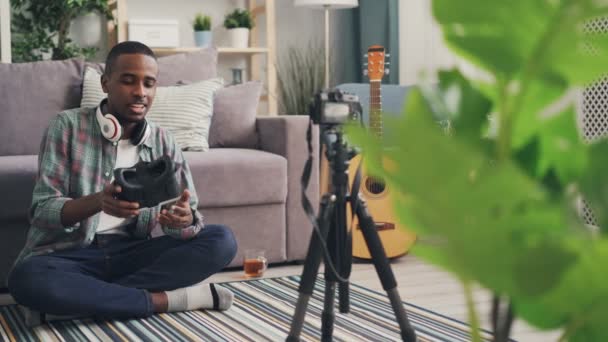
[{"x": 334, "y": 107}]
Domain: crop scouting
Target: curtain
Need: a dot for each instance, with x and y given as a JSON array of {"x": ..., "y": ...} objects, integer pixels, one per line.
[{"x": 374, "y": 22}]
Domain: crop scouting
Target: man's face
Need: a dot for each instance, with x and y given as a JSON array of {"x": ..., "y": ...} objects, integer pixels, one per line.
[{"x": 131, "y": 87}]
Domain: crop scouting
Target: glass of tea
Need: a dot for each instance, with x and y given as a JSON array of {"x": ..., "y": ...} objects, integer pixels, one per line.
[{"x": 255, "y": 262}]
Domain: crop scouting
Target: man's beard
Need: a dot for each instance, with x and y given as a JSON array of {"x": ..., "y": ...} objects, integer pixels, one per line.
[{"x": 129, "y": 119}]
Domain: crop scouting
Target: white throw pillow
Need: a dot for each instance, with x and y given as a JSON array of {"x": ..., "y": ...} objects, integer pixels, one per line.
[{"x": 183, "y": 110}]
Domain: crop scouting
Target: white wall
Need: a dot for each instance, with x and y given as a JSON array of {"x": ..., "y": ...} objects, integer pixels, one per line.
[
  {"x": 297, "y": 25},
  {"x": 422, "y": 50}
]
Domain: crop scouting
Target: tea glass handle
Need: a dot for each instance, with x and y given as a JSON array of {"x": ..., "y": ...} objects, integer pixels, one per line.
[{"x": 264, "y": 262}]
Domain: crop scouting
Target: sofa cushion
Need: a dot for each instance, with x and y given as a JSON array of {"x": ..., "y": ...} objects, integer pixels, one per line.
[
  {"x": 183, "y": 110},
  {"x": 182, "y": 68},
  {"x": 231, "y": 176},
  {"x": 234, "y": 115},
  {"x": 31, "y": 94},
  {"x": 214, "y": 173},
  {"x": 17, "y": 179}
]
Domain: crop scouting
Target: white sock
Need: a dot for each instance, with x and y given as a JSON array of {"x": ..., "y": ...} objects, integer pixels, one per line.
[{"x": 199, "y": 296}]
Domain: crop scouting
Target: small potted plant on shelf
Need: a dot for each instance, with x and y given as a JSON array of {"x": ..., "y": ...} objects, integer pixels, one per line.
[
  {"x": 202, "y": 30},
  {"x": 238, "y": 23}
]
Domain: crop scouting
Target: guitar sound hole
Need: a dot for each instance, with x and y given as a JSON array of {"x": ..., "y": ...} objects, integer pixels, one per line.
[{"x": 375, "y": 185}]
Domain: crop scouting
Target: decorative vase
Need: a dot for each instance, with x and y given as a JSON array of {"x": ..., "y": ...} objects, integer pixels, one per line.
[
  {"x": 237, "y": 76},
  {"x": 86, "y": 30},
  {"x": 238, "y": 37},
  {"x": 203, "y": 38}
]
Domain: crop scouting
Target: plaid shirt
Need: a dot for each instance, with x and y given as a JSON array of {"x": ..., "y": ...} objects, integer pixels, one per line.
[{"x": 75, "y": 160}]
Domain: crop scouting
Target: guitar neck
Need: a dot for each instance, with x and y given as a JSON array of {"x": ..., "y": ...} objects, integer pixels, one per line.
[{"x": 375, "y": 108}]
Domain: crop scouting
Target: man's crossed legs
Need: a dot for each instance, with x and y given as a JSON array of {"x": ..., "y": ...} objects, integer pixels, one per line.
[{"x": 119, "y": 277}]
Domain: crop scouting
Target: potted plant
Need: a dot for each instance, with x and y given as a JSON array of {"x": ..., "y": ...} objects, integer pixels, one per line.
[
  {"x": 238, "y": 23},
  {"x": 301, "y": 74},
  {"x": 492, "y": 195},
  {"x": 202, "y": 30},
  {"x": 40, "y": 28}
]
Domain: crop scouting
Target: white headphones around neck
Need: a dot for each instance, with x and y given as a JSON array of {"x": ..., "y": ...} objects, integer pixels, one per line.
[{"x": 112, "y": 130}]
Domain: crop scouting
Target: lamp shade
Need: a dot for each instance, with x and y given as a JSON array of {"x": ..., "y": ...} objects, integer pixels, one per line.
[{"x": 321, "y": 4}]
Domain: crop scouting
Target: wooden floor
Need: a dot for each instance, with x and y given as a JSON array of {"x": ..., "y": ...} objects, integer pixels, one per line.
[{"x": 419, "y": 283}]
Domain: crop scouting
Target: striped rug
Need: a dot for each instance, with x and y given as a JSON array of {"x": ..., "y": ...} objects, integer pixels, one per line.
[{"x": 262, "y": 312}]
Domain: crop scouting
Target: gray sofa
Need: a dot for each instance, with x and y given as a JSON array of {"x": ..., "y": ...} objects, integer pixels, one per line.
[{"x": 255, "y": 191}]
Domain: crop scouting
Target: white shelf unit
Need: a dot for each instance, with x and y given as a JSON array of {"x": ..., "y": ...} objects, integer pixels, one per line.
[
  {"x": 221, "y": 50},
  {"x": 5, "y": 31},
  {"x": 117, "y": 32}
]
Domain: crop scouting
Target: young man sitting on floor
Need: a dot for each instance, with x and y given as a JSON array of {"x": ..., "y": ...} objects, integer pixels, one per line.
[{"x": 90, "y": 254}]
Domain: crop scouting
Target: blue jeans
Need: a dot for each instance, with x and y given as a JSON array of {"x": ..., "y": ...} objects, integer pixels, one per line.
[{"x": 113, "y": 276}]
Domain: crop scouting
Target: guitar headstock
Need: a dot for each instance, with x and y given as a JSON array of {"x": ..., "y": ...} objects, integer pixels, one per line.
[{"x": 376, "y": 65}]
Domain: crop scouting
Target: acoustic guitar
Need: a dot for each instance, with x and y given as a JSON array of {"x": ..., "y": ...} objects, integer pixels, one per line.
[{"x": 396, "y": 239}]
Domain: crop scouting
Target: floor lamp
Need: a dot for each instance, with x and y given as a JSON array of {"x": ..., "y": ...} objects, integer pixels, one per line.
[
  {"x": 326, "y": 5},
  {"x": 5, "y": 31}
]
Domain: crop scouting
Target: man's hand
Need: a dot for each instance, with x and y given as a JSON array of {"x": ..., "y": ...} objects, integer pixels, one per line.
[
  {"x": 180, "y": 215},
  {"x": 115, "y": 207}
]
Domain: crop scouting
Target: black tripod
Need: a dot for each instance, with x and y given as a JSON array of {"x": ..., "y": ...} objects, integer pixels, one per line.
[{"x": 332, "y": 227}]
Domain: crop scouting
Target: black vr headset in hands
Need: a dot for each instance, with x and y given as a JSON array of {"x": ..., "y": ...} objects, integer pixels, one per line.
[{"x": 149, "y": 183}]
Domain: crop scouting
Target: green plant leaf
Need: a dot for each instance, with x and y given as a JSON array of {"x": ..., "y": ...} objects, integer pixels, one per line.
[
  {"x": 547, "y": 122},
  {"x": 541, "y": 93},
  {"x": 467, "y": 108},
  {"x": 238, "y": 18},
  {"x": 457, "y": 106},
  {"x": 547, "y": 37},
  {"x": 201, "y": 22},
  {"x": 504, "y": 216},
  {"x": 561, "y": 147},
  {"x": 574, "y": 53},
  {"x": 477, "y": 232},
  {"x": 578, "y": 299},
  {"x": 535, "y": 273},
  {"x": 594, "y": 181},
  {"x": 487, "y": 33}
]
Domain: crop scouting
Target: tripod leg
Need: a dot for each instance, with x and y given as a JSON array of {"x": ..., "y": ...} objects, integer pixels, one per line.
[
  {"x": 335, "y": 242},
  {"x": 311, "y": 267},
  {"x": 343, "y": 293},
  {"x": 383, "y": 268},
  {"x": 343, "y": 253},
  {"x": 328, "y": 316}
]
